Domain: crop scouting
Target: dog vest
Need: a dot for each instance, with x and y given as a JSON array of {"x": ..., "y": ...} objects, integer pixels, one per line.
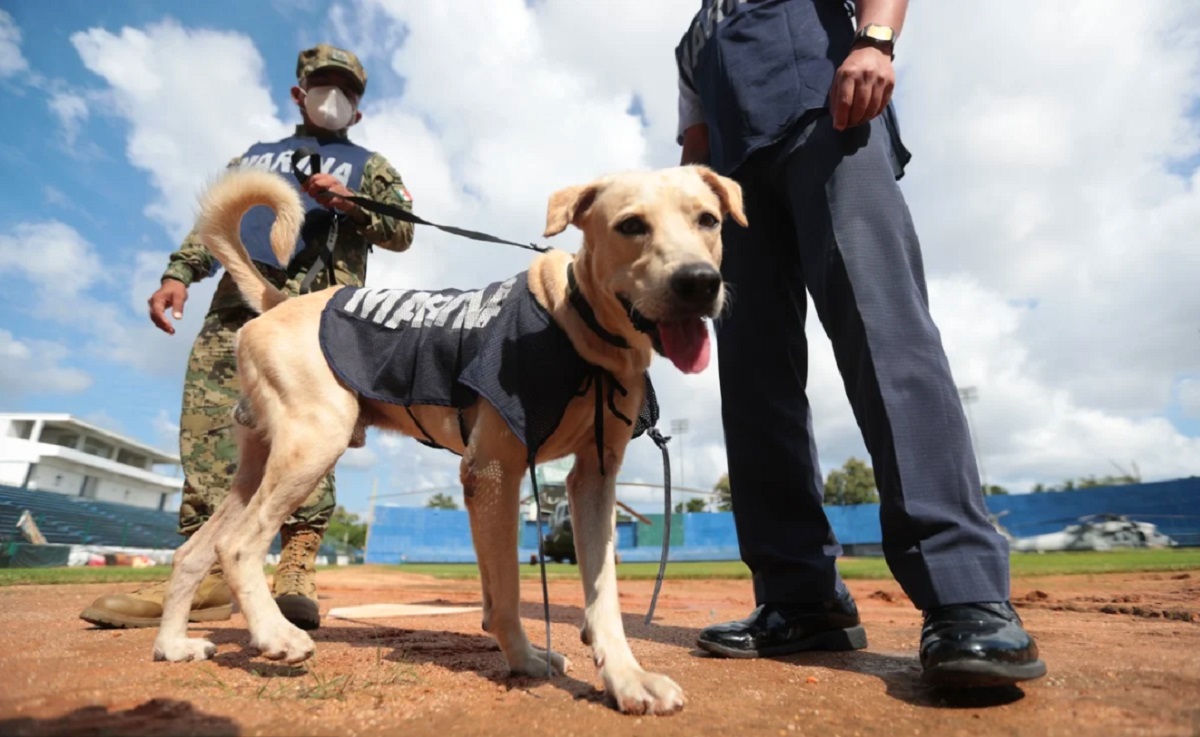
[
  {"x": 339, "y": 157},
  {"x": 447, "y": 348}
]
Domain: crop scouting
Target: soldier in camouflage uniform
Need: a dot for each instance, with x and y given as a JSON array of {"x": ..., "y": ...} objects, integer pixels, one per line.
[{"x": 344, "y": 235}]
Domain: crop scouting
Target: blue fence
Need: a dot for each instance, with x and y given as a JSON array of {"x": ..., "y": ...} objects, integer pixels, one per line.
[
  {"x": 419, "y": 535},
  {"x": 1174, "y": 506}
]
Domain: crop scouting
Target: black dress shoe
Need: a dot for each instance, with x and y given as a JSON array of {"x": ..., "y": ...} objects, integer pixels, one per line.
[
  {"x": 780, "y": 629},
  {"x": 977, "y": 645}
]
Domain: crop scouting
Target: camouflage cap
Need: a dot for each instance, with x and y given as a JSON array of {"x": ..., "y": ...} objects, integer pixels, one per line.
[{"x": 324, "y": 56}]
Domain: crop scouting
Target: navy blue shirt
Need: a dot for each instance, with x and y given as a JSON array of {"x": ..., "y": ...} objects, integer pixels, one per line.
[
  {"x": 750, "y": 69},
  {"x": 339, "y": 157}
]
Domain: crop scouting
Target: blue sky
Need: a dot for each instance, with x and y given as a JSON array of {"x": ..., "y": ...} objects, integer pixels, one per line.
[
  {"x": 1057, "y": 233},
  {"x": 90, "y": 187}
]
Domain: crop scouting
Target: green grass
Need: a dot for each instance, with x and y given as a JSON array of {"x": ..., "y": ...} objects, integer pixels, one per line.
[
  {"x": 1025, "y": 564},
  {"x": 1049, "y": 564},
  {"x": 99, "y": 574},
  {"x": 1120, "y": 561}
]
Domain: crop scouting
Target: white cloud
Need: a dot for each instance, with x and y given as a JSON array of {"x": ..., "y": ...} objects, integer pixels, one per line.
[
  {"x": 1043, "y": 178},
  {"x": 71, "y": 110},
  {"x": 1024, "y": 426},
  {"x": 1017, "y": 189},
  {"x": 1189, "y": 397},
  {"x": 364, "y": 28},
  {"x": 55, "y": 196},
  {"x": 194, "y": 99},
  {"x": 34, "y": 367},
  {"x": 11, "y": 60},
  {"x": 359, "y": 458},
  {"x": 51, "y": 255},
  {"x": 74, "y": 287},
  {"x": 70, "y": 107},
  {"x": 166, "y": 427},
  {"x": 136, "y": 341},
  {"x": 625, "y": 51},
  {"x": 1056, "y": 228}
]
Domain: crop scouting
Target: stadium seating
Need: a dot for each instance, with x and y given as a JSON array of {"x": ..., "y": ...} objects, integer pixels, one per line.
[{"x": 72, "y": 520}]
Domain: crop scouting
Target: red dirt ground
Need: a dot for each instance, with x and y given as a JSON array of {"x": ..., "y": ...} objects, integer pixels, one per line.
[{"x": 1123, "y": 653}]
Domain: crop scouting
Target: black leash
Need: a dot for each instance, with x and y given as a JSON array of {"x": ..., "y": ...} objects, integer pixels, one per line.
[
  {"x": 537, "y": 508},
  {"x": 324, "y": 258},
  {"x": 399, "y": 213},
  {"x": 661, "y": 441}
]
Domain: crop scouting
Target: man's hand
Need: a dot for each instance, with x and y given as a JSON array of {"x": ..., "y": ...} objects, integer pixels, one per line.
[
  {"x": 695, "y": 145},
  {"x": 329, "y": 191},
  {"x": 171, "y": 294},
  {"x": 861, "y": 88}
]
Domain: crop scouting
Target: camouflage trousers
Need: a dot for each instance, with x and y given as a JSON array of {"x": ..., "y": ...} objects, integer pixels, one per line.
[{"x": 207, "y": 446}]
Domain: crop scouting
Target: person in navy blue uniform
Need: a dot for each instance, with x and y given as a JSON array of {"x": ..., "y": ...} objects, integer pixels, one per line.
[{"x": 792, "y": 99}]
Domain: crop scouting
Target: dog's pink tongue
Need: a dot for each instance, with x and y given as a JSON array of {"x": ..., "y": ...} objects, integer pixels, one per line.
[{"x": 685, "y": 342}]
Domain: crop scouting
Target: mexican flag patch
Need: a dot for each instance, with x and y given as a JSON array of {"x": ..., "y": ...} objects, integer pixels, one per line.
[{"x": 403, "y": 192}]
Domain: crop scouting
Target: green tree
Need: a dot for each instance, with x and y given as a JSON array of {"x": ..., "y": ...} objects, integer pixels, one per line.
[
  {"x": 346, "y": 527},
  {"x": 724, "y": 500},
  {"x": 1124, "y": 478},
  {"x": 853, "y": 483},
  {"x": 441, "y": 501},
  {"x": 692, "y": 506},
  {"x": 1091, "y": 482},
  {"x": 994, "y": 490}
]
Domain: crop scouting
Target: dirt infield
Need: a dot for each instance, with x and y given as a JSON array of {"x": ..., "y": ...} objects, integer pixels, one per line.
[{"x": 1123, "y": 652}]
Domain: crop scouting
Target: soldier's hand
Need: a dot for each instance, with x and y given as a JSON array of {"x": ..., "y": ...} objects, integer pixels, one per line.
[
  {"x": 329, "y": 191},
  {"x": 861, "y": 88},
  {"x": 172, "y": 294}
]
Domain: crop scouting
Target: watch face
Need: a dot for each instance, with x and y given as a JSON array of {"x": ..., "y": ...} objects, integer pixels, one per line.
[{"x": 878, "y": 33}]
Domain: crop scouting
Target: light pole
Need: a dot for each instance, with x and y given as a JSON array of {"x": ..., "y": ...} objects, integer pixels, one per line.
[
  {"x": 680, "y": 428},
  {"x": 969, "y": 395}
]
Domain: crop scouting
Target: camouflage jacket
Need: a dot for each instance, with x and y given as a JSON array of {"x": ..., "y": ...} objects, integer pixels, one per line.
[{"x": 380, "y": 182}]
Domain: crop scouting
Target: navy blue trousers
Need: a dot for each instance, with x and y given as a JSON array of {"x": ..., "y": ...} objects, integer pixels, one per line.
[{"x": 827, "y": 215}]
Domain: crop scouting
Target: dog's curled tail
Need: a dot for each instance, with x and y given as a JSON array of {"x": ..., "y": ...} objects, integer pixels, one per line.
[{"x": 219, "y": 228}]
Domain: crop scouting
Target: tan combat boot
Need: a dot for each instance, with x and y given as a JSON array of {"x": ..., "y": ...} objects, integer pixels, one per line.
[
  {"x": 144, "y": 607},
  {"x": 295, "y": 586}
]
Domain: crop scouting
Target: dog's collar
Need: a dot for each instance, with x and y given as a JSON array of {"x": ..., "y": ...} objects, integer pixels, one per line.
[{"x": 640, "y": 322}]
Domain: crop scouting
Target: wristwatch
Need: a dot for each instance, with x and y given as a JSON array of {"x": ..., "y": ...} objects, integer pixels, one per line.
[{"x": 879, "y": 36}]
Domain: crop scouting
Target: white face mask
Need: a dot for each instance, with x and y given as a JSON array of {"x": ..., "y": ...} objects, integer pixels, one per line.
[{"x": 328, "y": 107}]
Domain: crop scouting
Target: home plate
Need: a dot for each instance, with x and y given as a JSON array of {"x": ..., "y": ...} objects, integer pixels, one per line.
[{"x": 382, "y": 611}]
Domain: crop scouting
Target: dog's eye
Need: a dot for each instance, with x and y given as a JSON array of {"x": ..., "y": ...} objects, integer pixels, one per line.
[
  {"x": 633, "y": 226},
  {"x": 708, "y": 220}
]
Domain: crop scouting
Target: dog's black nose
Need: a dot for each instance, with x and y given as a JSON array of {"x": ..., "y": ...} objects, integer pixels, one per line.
[{"x": 696, "y": 283}]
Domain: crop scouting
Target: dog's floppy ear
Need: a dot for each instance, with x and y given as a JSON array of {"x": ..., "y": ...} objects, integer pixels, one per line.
[
  {"x": 566, "y": 206},
  {"x": 728, "y": 191}
]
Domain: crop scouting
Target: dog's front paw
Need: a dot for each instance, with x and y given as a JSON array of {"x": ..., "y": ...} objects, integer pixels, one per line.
[
  {"x": 532, "y": 662},
  {"x": 183, "y": 649},
  {"x": 639, "y": 692},
  {"x": 284, "y": 642}
]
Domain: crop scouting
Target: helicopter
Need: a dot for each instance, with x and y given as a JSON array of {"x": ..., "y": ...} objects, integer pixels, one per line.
[{"x": 1099, "y": 532}]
